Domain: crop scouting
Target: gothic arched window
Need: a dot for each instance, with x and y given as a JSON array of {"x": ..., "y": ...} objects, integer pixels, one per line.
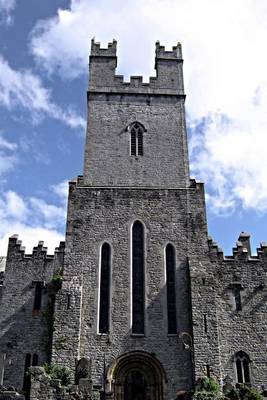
[
  {"x": 138, "y": 278},
  {"x": 242, "y": 367},
  {"x": 136, "y": 132},
  {"x": 170, "y": 285},
  {"x": 104, "y": 303}
]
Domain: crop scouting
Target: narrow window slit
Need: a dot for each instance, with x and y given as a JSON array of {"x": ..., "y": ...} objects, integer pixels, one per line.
[
  {"x": 38, "y": 296},
  {"x": 238, "y": 303},
  {"x": 27, "y": 378},
  {"x": 68, "y": 301},
  {"x": 35, "y": 360},
  {"x": 171, "y": 296},
  {"x": 105, "y": 270},
  {"x": 138, "y": 278}
]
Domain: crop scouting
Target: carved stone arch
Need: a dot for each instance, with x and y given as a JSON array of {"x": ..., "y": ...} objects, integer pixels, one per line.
[
  {"x": 242, "y": 367},
  {"x": 145, "y": 368},
  {"x": 129, "y": 127}
]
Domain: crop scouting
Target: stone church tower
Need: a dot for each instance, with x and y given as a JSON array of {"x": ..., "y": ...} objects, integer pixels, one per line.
[
  {"x": 146, "y": 295},
  {"x": 129, "y": 232}
]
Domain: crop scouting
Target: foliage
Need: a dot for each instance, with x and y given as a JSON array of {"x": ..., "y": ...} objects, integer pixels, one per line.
[
  {"x": 244, "y": 392},
  {"x": 210, "y": 385},
  {"x": 60, "y": 342},
  {"x": 207, "y": 389},
  {"x": 57, "y": 281},
  {"x": 55, "y": 371}
]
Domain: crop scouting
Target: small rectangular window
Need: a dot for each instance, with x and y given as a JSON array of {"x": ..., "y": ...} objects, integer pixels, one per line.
[
  {"x": 208, "y": 371},
  {"x": 35, "y": 360},
  {"x": 238, "y": 304},
  {"x": 68, "y": 301},
  {"x": 38, "y": 296}
]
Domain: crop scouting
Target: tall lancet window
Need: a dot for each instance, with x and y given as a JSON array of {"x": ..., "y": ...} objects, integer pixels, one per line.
[
  {"x": 136, "y": 131},
  {"x": 138, "y": 278},
  {"x": 170, "y": 286},
  {"x": 104, "y": 303}
]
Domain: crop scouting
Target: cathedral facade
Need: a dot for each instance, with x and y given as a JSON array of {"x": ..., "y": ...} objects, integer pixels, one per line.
[{"x": 146, "y": 296}]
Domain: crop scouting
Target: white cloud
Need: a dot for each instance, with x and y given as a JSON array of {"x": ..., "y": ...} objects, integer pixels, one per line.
[
  {"x": 26, "y": 90},
  {"x": 8, "y": 157},
  {"x": 30, "y": 237},
  {"x": 62, "y": 43},
  {"x": 61, "y": 190},
  {"x": 231, "y": 159},
  {"x": 13, "y": 206},
  {"x": 6, "y": 7},
  {"x": 33, "y": 219},
  {"x": 52, "y": 216},
  {"x": 225, "y": 76}
]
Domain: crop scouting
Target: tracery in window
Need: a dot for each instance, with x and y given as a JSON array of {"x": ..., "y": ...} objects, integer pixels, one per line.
[
  {"x": 242, "y": 367},
  {"x": 136, "y": 133},
  {"x": 170, "y": 284},
  {"x": 138, "y": 278},
  {"x": 104, "y": 304}
]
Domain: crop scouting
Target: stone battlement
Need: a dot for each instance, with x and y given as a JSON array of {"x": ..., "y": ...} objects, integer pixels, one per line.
[
  {"x": 15, "y": 246},
  {"x": 98, "y": 51},
  {"x": 175, "y": 54},
  {"x": 168, "y": 65},
  {"x": 241, "y": 250}
]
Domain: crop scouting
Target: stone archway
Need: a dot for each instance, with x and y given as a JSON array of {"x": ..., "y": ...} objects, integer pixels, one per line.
[{"x": 136, "y": 375}]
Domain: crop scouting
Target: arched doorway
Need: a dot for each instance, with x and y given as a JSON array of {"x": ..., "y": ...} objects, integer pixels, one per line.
[{"x": 136, "y": 375}]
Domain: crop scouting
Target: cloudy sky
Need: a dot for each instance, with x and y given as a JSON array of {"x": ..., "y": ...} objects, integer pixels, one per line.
[{"x": 44, "y": 47}]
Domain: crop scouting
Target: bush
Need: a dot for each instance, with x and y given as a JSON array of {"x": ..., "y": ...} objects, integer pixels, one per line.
[
  {"x": 210, "y": 385},
  {"x": 55, "y": 371},
  {"x": 57, "y": 281},
  {"x": 247, "y": 393},
  {"x": 207, "y": 389}
]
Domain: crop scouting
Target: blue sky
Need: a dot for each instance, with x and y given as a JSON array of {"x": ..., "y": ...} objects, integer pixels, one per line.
[{"x": 44, "y": 48}]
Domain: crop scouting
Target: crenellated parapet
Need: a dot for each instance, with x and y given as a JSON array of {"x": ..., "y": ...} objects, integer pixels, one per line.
[
  {"x": 168, "y": 65},
  {"x": 174, "y": 54},
  {"x": 242, "y": 250},
  {"x": 262, "y": 251},
  {"x": 15, "y": 248},
  {"x": 215, "y": 251},
  {"x": 98, "y": 51}
]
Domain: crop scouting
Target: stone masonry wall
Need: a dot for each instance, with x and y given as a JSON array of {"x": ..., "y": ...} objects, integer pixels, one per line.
[
  {"x": 107, "y": 159},
  {"x": 246, "y": 329},
  {"x": 96, "y": 215},
  {"x": 23, "y": 330},
  {"x": 113, "y": 105}
]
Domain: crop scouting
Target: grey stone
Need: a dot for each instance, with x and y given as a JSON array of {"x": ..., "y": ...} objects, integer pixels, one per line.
[{"x": 115, "y": 190}]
